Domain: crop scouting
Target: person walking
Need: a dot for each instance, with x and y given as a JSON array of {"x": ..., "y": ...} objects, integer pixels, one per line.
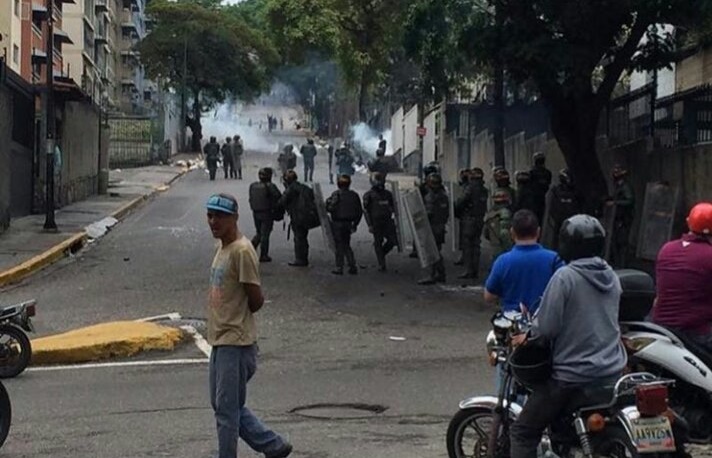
[
  {"x": 379, "y": 209},
  {"x": 330, "y": 152},
  {"x": 264, "y": 202},
  {"x": 238, "y": 152},
  {"x": 228, "y": 158},
  {"x": 308, "y": 153},
  {"x": 212, "y": 157},
  {"x": 298, "y": 201},
  {"x": 345, "y": 160},
  {"x": 235, "y": 296},
  {"x": 344, "y": 206}
]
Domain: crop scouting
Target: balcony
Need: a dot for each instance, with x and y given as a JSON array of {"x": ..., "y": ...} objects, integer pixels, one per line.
[
  {"x": 38, "y": 56},
  {"x": 39, "y": 13},
  {"x": 60, "y": 36}
]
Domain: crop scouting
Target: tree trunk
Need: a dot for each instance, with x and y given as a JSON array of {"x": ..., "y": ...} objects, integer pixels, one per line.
[
  {"x": 363, "y": 98},
  {"x": 499, "y": 159},
  {"x": 574, "y": 124},
  {"x": 196, "y": 125}
]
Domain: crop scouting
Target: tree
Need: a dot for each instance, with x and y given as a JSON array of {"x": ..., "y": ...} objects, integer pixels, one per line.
[
  {"x": 210, "y": 55},
  {"x": 358, "y": 34},
  {"x": 575, "y": 52}
]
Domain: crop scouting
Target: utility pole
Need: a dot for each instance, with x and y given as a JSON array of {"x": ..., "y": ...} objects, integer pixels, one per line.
[
  {"x": 499, "y": 159},
  {"x": 183, "y": 114},
  {"x": 50, "y": 224}
]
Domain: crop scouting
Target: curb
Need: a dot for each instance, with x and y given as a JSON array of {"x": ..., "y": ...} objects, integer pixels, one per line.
[
  {"x": 72, "y": 244},
  {"x": 119, "y": 339}
]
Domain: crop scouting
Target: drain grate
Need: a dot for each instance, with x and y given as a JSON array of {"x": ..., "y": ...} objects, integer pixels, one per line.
[{"x": 339, "y": 411}]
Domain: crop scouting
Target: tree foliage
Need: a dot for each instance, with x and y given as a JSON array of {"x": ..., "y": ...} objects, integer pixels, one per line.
[
  {"x": 358, "y": 34},
  {"x": 223, "y": 56},
  {"x": 574, "y": 51}
]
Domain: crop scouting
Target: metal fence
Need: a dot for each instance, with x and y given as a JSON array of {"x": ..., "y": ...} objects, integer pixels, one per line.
[{"x": 133, "y": 141}]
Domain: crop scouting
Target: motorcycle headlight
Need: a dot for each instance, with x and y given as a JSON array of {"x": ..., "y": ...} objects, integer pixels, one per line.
[
  {"x": 492, "y": 342},
  {"x": 637, "y": 343}
]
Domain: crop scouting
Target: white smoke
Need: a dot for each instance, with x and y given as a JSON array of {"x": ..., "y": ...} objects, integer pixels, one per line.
[
  {"x": 367, "y": 140},
  {"x": 225, "y": 121}
]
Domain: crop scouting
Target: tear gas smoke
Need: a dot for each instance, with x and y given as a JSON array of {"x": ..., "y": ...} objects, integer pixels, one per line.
[{"x": 366, "y": 139}]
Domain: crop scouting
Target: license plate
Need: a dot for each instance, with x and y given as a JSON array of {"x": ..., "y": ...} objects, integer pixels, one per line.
[{"x": 653, "y": 435}]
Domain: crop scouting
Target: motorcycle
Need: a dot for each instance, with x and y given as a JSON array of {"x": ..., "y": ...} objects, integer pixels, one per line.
[
  {"x": 15, "y": 347},
  {"x": 629, "y": 419},
  {"x": 666, "y": 353}
]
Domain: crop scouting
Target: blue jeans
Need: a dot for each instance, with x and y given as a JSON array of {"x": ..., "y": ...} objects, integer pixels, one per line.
[{"x": 231, "y": 367}]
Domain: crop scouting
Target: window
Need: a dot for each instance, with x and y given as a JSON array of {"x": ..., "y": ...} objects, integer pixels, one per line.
[
  {"x": 17, "y": 8},
  {"x": 146, "y": 96},
  {"x": 16, "y": 54}
]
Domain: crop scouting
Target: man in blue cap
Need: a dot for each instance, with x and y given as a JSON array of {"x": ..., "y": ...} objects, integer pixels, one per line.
[{"x": 235, "y": 296}]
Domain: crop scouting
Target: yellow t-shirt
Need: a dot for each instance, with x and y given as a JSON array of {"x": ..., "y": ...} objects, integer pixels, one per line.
[{"x": 230, "y": 321}]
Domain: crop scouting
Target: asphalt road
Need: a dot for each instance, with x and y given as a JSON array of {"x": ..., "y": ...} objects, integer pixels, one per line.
[{"x": 323, "y": 339}]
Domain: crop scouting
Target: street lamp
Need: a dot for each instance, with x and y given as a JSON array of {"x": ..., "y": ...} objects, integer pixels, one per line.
[{"x": 50, "y": 223}]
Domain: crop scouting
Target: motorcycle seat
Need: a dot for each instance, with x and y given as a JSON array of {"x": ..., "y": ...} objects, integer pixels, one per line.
[
  {"x": 696, "y": 349},
  {"x": 591, "y": 397}
]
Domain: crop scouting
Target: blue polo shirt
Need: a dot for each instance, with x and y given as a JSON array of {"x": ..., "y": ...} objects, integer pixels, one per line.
[{"x": 521, "y": 275}]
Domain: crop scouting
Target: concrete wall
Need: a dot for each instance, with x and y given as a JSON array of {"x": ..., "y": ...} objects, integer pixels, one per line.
[
  {"x": 80, "y": 152},
  {"x": 410, "y": 131},
  {"x": 5, "y": 156},
  {"x": 694, "y": 71},
  {"x": 429, "y": 139},
  {"x": 397, "y": 134}
]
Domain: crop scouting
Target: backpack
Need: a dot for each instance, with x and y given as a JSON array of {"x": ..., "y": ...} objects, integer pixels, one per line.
[{"x": 306, "y": 209}]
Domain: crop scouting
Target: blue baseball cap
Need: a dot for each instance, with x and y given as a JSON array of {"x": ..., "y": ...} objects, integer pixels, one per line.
[{"x": 222, "y": 203}]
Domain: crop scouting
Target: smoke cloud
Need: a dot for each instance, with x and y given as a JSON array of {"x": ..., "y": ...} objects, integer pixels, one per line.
[{"x": 366, "y": 139}]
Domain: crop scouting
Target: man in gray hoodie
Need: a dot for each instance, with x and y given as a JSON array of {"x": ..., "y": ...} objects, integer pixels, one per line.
[{"x": 578, "y": 318}]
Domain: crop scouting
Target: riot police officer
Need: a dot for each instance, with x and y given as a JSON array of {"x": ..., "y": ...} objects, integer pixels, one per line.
[
  {"x": 471, "y": 209},
  {"x": 264, "y": 202},
  {"x": 228, "y": 158},
  {"x": 565, "y": 202},
  {"x": 345, "y": 160},
  {"x": 463, "y": 178},
  {"x": 503, "y": 183},
  {"x": 308, "y": 153},
  {"x": 624, "y": 200},
  {"x": 437, "y": 206},
  {"x": 498, "y": 221},
  {"x": 526, "y": 195},
  {"x": 212, "y": 156},
  {"x": 379, "y": 208},
  {"x": 432, "y": 168},
  {"x": 344, "y": 205},
  {"x": 541, "y": 180}
]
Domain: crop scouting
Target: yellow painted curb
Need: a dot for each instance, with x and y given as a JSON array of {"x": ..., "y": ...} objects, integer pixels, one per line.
[
  {"x": 42, "y": 260},
  {"x": 125, "y": 209},
  {"x": 108, "y": 340}
]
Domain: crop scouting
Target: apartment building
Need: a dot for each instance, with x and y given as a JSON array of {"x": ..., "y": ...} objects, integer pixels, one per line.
[
  {"x": 134, "y": 92},
  {"x": 11, "y": 33}
]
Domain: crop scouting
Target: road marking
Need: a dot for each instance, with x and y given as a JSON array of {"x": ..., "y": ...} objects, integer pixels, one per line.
[
  {"x": 166, "y": 316},
  {"x": 199, "y": 340},
  {"x": 160, "y": 362}
]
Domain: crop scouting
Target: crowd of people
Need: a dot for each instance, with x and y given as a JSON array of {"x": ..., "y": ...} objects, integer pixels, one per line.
[{"x": 229, "y": 154}]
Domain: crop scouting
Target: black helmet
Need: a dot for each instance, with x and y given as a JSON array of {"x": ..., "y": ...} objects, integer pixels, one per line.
[
  {"x": 581, "y": 236},
  {"x": 265, "y": 174},
  {"x": 477, "y": 174},
  {"x": 501, "y": 177},
  {"x": 531, "y": 363},
  {"x": 565, "y": 177},
  {"x": 539, "y": 158},
  {"x": 523, "y": 176},
  {"x": 435, "y": 180},
  {"x": 378, "y": 179},
  {"x": 431, "y": 168}
]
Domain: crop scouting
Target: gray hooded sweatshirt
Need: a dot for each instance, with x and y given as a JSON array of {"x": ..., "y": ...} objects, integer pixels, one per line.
[{"x": 579, "y": 317}]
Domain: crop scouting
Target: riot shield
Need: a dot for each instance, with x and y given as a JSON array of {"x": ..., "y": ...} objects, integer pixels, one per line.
[
  {"x": 657, "y": 220},
  {"x": 548, "y": 225},
  {"x": 326, "y": 231},
  {"x": 455, "y": 191},
  {"x": 395, "y": 190},
  {"x": 608, "y": 219},
  {"x": 423, "y": 237}
]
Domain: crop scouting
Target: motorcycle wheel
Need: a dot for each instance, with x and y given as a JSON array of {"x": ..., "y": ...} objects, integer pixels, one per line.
[
  {"x": 468, "y": 435},
  {"x": 5, "y": 414},
  {"x": 15, "y": 351}
]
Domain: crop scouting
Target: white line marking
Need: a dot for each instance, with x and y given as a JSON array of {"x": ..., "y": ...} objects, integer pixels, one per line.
[
  {"x": 160, "y": 362},
  {"x": 200, "y": 341},
  {"x": 166, "y": 316}
]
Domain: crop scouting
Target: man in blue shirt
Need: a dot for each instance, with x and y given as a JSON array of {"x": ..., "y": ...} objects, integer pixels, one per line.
[{"x": 521, "y": 275}]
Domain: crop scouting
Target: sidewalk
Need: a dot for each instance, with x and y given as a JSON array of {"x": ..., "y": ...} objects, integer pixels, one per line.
[{"x": 26, "y": 248}]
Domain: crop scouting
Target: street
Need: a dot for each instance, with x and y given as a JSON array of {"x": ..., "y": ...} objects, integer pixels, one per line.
[{"x": 403, "y": 354}]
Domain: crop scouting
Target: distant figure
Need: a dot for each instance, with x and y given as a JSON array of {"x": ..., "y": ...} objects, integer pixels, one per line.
[
  {"x": 541, "y": 182},
  {"x": 281, "y": 123},
  {"x": 287, "y": 159},
  {"x": 382, "y": 144},
  {"x": 308, "y": 153},
  {"x": 264, "y": 202},
  {"x": 238, "y": 152},
  {"x": 212, "y": 157},
  {"x": 527, "y": 197},
  {"x": 330, "y": 152},
  {"x": 228, "y": 159},
  {"x": 379, "y": 208},
  {"x": 345, "y": 160},
  {"x": 344, "y": 206},
  {"x": 381, "y": 164}
]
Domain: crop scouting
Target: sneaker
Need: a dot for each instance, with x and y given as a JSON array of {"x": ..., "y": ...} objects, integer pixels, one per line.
[{"x": 284, "y": 452}]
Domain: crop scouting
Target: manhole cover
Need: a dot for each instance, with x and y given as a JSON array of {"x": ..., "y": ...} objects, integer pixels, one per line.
[{"x": 347, "y": 411}]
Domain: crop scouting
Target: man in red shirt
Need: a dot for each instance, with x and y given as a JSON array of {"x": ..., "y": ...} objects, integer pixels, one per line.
[{"x": 684, "y": 280}]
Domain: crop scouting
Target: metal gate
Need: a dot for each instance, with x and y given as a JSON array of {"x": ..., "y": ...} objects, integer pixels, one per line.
[{"x": 132, "y": 142}]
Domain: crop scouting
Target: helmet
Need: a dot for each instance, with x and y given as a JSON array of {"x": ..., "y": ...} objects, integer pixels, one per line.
[
  {"x": 502, "y": 197},
  {"x": 464, "y": 176},
  {"x": 431, "y": 168},
  {"x": 539, "y": 158},
  {"x": 213, "y": 139},
  {"x": 581, "y": 236},
  {"x": 290, "y": 176},
  {"x": 619, "y": 171},
  {"x": 477, "y": 174},
  {"x": 522, "y": 176},
  {"x": 343, "y": 182},
  {"x": 501, "y": 177},
  {"x": 700, "y": 219},
  {"x": 435, "y": 180},
  {"x": 228, "y": 139},
  {"x": 531, "y": 363},
  {"x": 378, "y": 179},
  {"x": 265, "y": 173},
  {"x": 565, "y": 177}
]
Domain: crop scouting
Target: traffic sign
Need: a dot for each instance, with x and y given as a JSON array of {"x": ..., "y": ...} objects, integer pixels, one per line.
[{"x": 422, "y": 131}]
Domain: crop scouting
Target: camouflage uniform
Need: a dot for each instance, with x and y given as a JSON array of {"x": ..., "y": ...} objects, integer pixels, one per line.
[{"x": 498, "y": 221}]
